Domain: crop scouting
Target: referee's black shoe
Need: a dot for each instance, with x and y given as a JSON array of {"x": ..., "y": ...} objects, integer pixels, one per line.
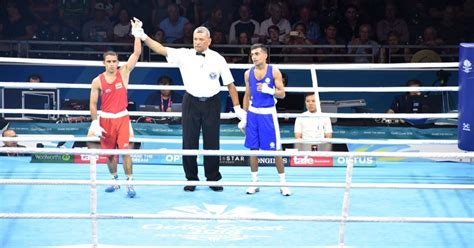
[
  {"x": 217, "y": 188},
  {"x": 189, "y": 188}
]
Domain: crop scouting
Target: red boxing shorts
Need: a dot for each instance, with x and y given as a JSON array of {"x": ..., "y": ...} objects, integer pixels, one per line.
[{"x": 117, "y": 133}]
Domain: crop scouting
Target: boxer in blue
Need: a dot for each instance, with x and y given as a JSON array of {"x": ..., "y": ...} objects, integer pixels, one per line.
[{"x": 263, "y": 84}]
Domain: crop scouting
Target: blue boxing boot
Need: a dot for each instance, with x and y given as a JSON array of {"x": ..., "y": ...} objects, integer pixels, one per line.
[
  {"x": 130, "y": 191},
  {"x": 113, "y": 188}
]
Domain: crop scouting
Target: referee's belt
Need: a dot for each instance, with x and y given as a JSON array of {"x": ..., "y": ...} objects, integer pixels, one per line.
[{"x": 203, "y": 98}]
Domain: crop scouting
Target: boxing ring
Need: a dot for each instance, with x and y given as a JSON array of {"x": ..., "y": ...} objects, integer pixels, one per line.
[{"x": 408, "y": 204}]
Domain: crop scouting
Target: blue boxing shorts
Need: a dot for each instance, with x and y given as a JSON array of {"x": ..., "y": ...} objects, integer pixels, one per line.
[{"x": 262, "y": 130}]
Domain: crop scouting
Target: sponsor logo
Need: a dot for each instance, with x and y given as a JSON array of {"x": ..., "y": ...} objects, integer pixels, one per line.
[
  {"x": 215, "y": 231},
  {"x": 175, "y": 159},
  {"x": 466, "y": 127},
  {"x": 118, "y": 85},
  {"x": 272, "y": 145},
  {"x": 52, "y": 158},
  {"x": 466, "y": 66},
  {"x": 262, "y": 161},
  {"x": 212, "y": 75},
  {"x": 267, "y": 80},
  {"x": 311, "y": 161},
  {"x": 232, "y": 160},
  {"x": 358, "y": 161},
  {"x": 86, "y": 158},
  {"x": 142, "y": 158}
]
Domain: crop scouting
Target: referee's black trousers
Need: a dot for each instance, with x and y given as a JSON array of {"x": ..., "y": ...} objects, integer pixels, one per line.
[{"x": 201, "y": 113}]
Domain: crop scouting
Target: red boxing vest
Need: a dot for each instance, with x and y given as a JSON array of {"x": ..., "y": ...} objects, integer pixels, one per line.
[{"x": 114, "y": 98}]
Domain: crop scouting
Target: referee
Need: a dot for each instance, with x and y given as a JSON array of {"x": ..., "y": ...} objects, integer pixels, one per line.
[{"x": 200, "y": 69}]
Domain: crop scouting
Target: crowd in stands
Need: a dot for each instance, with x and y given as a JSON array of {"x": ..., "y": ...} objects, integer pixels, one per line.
[{"x": 354, "y": 27}]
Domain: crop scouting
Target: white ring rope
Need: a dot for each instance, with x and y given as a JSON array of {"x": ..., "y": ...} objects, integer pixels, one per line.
[
  {"x": 45, "y": 85},
  {"x": 238, "y": 217},
  {"x": 191, "y": 152},
  {"x": 401, "y": 66},
  {"x": 241, "y": 141},
  {"x": 240, "y": 184},
  {"x": 232, "y": 115}
]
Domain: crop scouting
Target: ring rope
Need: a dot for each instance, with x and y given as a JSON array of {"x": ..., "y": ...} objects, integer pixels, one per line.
[
  {"x": 68, "y": 138},
  {"x": 232, "y": 115},
  {"x": 44, "y": 85},
  {"x": 192, "y": 152},
  {"x": 357, "y": 66},
  {"x": 241, "y": 184},
  {"x": 238, "y": 217}
]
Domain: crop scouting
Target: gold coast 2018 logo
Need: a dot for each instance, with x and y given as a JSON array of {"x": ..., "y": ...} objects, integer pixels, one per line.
[{"x": 221, "y": 230}]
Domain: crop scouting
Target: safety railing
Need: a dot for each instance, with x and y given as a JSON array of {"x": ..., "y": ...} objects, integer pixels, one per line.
[{"x": 278, "y": 53}]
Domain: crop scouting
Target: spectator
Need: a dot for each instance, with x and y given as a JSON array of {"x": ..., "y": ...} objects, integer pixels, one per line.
[
  {"x": 430, "y": 38},
  {"x": 112, "y": 9},
  {"x": 392, "y": 23},
  {"x": 311, "y": 128},
  {"x": 218, "y": 38},
  {"x": 274, "y": 40},
  {"x": 449, "y": 29},
  {"x": 297, "y": 39},
  {"x": 243, "y": 50},
  {"x": 367, "y": 54},
  {"x": 34, "y": 78},
  {"x": 275, "y": 19},
  {"x": 192, "y": 10},
  {"x": 17, "y": 26},
  {"x": 159, "y": 35},
  {"x": 244, "y": 24},
  {"x": 11, "y": 133},
  {"x": 140, "y": 9},
  {"x": 258, "y": 13},
  {"x": 216, "y": 22},
  {"x": 74, "y": 11},
  {"x": 159, "y": 12},
  {"x": 393, "y": 53},
  {"x": 331, "y": 38},
  {"x": 173, "y": 25},
  {"x": 312, "y": 28},
  {"x": 349, "y": 27},
  {"x": 430, "y": 41},
  {"x": 122, "y": 30},
  {"x": 418, "y": 18},
  {"x": 46, "y": 19},
  {"x": 164, "y": 98},
  {"x": 403, "y": 103},
  {"x": 98, "y": 29},
  {"x": 187, "y": 35}
]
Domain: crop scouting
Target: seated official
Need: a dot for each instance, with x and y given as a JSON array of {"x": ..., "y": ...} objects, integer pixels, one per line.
[
  {"x": 164, "y": 98},
  {"x": 11, "y": 133},
  {"x": 310, "y": 128},
  {"x": 405, "y": 103}
]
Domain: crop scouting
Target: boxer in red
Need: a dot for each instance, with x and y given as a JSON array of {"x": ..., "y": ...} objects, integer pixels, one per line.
[{"x": 113, "y": 127}]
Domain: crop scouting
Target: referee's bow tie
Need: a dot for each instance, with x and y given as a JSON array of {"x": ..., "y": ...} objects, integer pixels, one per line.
[{"x": 200, "y": 54}]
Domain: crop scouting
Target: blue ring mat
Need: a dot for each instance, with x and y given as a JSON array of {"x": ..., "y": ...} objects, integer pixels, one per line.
[{"x": 233, "y": 200}]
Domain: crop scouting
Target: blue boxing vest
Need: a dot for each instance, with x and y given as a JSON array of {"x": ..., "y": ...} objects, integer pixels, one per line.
[
  {"x": 466, "y": 97},
  {"x": 259, "y": 99}
]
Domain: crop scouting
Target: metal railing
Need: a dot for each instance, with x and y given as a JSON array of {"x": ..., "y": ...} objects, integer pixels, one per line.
[{"x": 278, "y": 53}]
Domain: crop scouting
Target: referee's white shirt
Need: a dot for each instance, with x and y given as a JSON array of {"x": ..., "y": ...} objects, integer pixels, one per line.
[{"x": 200, "y": 74}]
